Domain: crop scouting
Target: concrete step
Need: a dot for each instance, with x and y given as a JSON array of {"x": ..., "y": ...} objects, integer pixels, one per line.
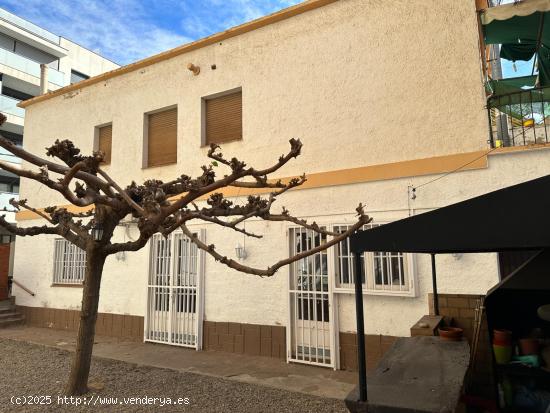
[
  {"x": 12, "y": 321},
  {"x": 8, "y": 315},
  {"x": 7, "y": 303},
  {"x": 5, "y": 310}
]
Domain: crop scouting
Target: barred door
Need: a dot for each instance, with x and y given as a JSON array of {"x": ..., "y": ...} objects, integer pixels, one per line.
[
  {"x": 311, "y": 314},
  {"x": 174, "y": 292}
]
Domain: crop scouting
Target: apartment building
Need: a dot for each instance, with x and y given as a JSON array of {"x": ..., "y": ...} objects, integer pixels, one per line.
[
  {"x": 24, "y": 48},
  {"x": 383, "y": 105}
]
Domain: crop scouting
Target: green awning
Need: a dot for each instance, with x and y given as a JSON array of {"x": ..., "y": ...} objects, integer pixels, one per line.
[
  {"x": 517, "y": 30},
  {"x": 523, "y": 30},
  {"x": 523, "y": 104},
  {"x": 510, "y": 85}
]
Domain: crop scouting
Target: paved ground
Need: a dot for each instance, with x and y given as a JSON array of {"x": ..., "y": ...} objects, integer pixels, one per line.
[
  {"x": 212, "y": 381},
  {"x": 31, "y": 369}
]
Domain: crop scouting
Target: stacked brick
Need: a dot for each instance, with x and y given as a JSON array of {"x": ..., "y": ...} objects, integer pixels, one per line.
[
  {"x": 459, "y": 310},
  {"x": 114, "y": 325},
  {"x": 249, "y": 339},
  {"x": 375, "y": 347}
]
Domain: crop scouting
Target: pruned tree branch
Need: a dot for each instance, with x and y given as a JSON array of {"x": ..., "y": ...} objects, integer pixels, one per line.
[
  {"x": 22, "y": 203},
  {"x": 158, "y": 207},
  {"x": 121, "y": 191},
  {"x": 60, "y": 230},
  {"x": 51, "y": 166},
  {"x": 270, "y": 271},
  {"x": 153, "y": 202},
  {"x": 129, "y": 245}
]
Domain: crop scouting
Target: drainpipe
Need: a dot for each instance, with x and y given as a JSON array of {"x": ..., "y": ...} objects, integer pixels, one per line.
[{"x": 43, "y": 79}]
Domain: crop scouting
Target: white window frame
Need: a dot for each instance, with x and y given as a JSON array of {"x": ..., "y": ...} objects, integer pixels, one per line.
[
  {"x": 69, "y": 263},
  {"x": 409, "y": 267}
]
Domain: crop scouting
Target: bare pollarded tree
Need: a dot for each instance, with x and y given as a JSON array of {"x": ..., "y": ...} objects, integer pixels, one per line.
[{"x": 160, "y": 207}]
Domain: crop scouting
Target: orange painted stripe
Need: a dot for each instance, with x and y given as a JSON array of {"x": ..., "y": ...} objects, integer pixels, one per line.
[{"x": 404, "y": 169}]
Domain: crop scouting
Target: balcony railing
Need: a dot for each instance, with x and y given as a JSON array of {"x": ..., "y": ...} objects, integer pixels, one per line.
[
  {"x": 520, "y": 118},
  {"x": 9, "y": 105},
  {"x": 5, "y": 207},
  {"x": 8, "y": 157},
  {"x": 30, "y": 67},
  {"x": 28, "y": 26}
]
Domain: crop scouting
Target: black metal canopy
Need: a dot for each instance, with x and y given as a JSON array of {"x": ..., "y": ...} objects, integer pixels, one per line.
[
  {"x": 513, "y": 218},
  {"x": 510, "y": 219}
]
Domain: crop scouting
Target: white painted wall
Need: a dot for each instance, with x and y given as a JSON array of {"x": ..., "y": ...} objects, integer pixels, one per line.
[
  {"x": 83, "y": 60},
  {"x": 325, "y": 76},
  {"x": 361, "y": 83},
  {"x": 231, "y": 296}
]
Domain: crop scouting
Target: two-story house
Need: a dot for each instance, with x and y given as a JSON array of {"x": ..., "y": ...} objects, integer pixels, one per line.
[{"x": 386, "y": 97}]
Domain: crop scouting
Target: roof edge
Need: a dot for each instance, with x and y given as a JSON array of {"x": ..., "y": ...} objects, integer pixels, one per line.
[{"x": 206, "y": 41}]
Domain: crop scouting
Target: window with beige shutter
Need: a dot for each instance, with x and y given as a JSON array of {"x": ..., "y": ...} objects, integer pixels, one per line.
[
  {"x": 223, "y": 118},
  {"x": 162, "y": 137},
  {"x": 105, "y": 142}
]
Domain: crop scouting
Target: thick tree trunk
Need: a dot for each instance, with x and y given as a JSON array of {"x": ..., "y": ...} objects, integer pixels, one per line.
[{"x": 80, "y": 369}]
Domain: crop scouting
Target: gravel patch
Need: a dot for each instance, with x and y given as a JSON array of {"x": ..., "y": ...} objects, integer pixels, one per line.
[{"x": 35, "y": 370}]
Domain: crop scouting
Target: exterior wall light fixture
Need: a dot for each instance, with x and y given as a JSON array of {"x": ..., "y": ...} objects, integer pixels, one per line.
[
  {"x": 240, "y": 251},
  {"x": 97, "y": 232}
]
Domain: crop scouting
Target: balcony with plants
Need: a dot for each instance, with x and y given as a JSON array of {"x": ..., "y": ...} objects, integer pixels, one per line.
[{"x": 515, "y": 47}]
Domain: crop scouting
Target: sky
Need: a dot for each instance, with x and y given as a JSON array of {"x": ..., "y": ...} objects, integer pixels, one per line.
[
  {"x": 520, "y": 68},
  {"x": 128, "y": 30}
]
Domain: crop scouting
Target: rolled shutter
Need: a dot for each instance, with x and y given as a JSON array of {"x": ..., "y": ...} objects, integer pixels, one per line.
[
  {"x": 224, "y": 118},
  {"x": 162, "y": 138},
  {"x": 106, "y": 142}
]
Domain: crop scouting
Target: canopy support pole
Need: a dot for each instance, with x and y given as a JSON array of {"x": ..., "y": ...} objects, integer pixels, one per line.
[
  {"x": 434, "y": 281},
  {"x": 361, "y": 357}
]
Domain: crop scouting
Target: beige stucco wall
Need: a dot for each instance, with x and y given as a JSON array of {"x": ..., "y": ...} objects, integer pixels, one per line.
[
  {"x": 231, "y": 296},
  {"x": 361, "y": 83}
]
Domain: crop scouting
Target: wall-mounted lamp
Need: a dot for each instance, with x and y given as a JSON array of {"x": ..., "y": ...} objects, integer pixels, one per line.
[
  {"x": 240, "y": 251},
  {"x": 194, "y": 68},
  {"x": 97, "y": 232}
]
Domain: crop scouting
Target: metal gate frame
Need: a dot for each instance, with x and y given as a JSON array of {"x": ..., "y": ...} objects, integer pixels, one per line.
[
  {"x": 332, "y": 305},
  {"x": 199, "y": 301}
]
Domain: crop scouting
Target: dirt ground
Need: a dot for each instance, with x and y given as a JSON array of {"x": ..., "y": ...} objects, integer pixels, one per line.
[{"x": 30, "y": 373}]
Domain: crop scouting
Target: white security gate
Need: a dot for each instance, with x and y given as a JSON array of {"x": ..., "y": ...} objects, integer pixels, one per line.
[
  {"x": 311, "y": 339},
  {"x": 175, "y": 292}
]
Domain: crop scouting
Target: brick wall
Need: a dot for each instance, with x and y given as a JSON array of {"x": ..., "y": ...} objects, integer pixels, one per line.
[
  {"x": 4, "y": 270},
  {"x": 375, "y": 347},
  {"x": 250, "y": 339},
  {"x": 459, "y": 309},
  {"x": 114, "y": 325}
]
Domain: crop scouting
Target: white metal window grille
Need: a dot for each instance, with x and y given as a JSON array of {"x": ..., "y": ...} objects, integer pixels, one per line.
[
  {"x": 311, "y": 338},
  {"x": 383, "y": 272},
  {"x": 174, "y": 314},
  {"x": 69, "y": 263}
]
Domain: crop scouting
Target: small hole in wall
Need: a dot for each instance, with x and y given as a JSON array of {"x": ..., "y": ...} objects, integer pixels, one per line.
[{"x": 213, "y": 67}]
